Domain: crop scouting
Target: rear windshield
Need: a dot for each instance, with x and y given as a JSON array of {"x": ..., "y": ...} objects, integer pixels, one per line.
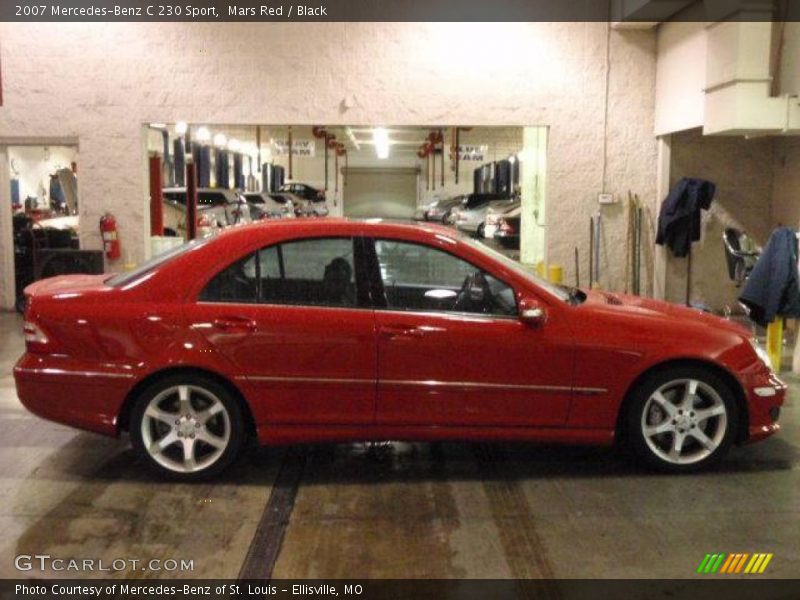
[
  {"x": 155, "y": 262},
  {"x": 254, "y": 198}
]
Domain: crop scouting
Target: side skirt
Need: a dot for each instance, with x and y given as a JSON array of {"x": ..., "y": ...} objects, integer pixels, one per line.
[{"x": 311, "y": 434}]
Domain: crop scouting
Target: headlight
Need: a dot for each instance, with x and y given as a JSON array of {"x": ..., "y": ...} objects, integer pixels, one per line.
[{"x": 762, "y": 353}]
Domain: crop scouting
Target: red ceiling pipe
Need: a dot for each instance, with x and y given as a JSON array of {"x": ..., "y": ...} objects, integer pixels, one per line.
[
  {"x": 330, "y": 142},
  {"x": 441, "y": 142},
  {"x": 340, "y": 150},
  {"x": 191, "y": 198},
  {"x": 290, "y": 152},
  {"x": 156, "y": 200}
]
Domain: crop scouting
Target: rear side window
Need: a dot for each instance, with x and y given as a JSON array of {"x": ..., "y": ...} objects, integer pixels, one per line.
[
  {"x": 155, "y": 262},
  {"x": 313, "y": 272},
  {"x": 237, "y": 283}
]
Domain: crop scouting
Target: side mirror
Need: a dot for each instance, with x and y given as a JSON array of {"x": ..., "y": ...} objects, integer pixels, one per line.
[{"x": 531, "y": 313}]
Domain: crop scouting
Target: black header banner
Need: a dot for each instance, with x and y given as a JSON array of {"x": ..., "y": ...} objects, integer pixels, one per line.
[{"x": 396, "y": 10}]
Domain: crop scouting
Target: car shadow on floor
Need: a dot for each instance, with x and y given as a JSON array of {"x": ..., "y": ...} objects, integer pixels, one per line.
[{"x": 89, "y": 457}]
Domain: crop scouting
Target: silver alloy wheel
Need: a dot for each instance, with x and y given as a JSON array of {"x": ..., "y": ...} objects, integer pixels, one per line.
[
  {"x": 684, "y": 421},
  {"x": 185, "y": 428}
]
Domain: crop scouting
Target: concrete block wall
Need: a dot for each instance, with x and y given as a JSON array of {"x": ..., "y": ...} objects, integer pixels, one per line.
[
  {"x": 100, "y": 83},
  {"x": 743, "y": 172},
  {"x": 785, "y": 200}
]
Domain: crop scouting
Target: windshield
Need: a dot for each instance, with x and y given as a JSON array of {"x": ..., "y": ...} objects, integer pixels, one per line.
[
  {"x": 156, "y": 261},
  {"x": 557, "y": 291}
]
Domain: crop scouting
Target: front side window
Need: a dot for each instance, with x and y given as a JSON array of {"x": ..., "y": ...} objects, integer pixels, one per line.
[
  {"x": 312, "y": 272},
  {"x": 422, "y": 278}
]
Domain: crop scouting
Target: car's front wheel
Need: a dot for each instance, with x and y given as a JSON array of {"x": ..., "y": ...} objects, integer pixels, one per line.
[
  {"x": 682, "y": 419},
  {"x": 187, "y": 427}
]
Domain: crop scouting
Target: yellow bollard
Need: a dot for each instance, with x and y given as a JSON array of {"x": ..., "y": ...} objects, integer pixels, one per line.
[
  {"x": 775, "y": 343},
  {"x": 540, "y": 268},
  {"x": 555, "y": 274}
]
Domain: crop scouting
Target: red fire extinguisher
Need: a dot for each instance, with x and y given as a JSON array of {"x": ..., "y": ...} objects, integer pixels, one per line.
[{"x": 108, "y": 229}]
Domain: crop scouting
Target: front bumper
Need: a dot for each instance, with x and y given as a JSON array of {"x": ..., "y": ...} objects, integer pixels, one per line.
[{"x": 765, "y": 396}]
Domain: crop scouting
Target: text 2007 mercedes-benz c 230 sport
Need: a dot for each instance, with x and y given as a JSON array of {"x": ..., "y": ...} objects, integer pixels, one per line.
[{"x": 336, "y": 330}]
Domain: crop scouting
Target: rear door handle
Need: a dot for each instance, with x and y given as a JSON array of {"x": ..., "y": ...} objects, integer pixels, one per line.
[{"x": 235, "y": 324}]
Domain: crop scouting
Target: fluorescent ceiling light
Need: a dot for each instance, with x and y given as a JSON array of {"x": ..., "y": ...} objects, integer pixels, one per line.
[
  {"x": 203, "y": 134},
  {"x": 380, "y": 137},
  {"x": 220, "y": 140},
  {"x": 158, "y": 125},
  {"x": 181, "y": 127}
]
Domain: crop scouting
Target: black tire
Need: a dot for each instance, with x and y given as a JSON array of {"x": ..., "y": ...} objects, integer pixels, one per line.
[
  {"x": 199, "y": 386},
  {"x": 481, "y": 231},
  {"x": 657, "y": 450}
]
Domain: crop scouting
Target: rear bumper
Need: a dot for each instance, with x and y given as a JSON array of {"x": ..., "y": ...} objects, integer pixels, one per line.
[
  {"x": 63, "y": 390},
  {"x": 765, "y": 396}
]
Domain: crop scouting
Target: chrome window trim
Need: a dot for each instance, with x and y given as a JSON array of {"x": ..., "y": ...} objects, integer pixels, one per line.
[
  {"x": 265, "y": 304},
  {"x": 440, "y": 313}
]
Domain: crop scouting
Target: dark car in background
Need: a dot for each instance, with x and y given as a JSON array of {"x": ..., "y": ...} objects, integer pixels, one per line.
[
  {"x": 303, "y": 190},
  {"x": 308, "y": 201}
]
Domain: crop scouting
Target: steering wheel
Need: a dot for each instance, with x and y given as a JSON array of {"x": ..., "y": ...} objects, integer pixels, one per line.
[{"x": 474, "y": 295}]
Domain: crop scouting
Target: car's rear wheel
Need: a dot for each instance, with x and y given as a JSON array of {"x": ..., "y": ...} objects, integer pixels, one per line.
[
  {"x": 481, "y": 231},
  {"x": 682, "y": 419},
  {"x": 187, "y": 427}
]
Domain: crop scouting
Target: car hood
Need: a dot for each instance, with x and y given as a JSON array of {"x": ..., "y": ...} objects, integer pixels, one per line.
[{"x": 632, "y": 306}]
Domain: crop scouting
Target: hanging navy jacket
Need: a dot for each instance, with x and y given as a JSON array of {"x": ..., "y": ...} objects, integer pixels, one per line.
[
  {"x": 773, "y": 287},
  {"x": 679, "y": 219}
]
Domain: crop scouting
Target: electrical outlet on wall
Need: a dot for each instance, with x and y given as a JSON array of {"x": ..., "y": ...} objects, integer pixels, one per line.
[{"x": 606, "y": 198}]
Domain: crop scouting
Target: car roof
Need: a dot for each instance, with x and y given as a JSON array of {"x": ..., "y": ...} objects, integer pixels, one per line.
[{"x": 337, "y": 225}]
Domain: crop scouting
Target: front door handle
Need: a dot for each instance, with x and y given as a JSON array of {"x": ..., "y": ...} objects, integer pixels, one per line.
[
  {"x": 235, "y": 324},
  {"x": 394, "y": 331}
]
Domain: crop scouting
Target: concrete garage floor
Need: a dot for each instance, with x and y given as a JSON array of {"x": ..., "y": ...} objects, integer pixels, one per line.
[{"x": 391, "y": 510}]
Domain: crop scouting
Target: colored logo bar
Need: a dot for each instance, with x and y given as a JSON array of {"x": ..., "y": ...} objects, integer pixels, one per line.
[{"x": 728, "y": 564}]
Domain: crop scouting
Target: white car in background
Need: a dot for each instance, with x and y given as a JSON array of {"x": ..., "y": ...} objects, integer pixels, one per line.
[
  {"x": 495, "y": 215},
  {"x": 216, "y": 208},
  {"x": 441, "y": 210},
  {"x": 264, "y": 205},
  {"x": 470, "y": 217}
]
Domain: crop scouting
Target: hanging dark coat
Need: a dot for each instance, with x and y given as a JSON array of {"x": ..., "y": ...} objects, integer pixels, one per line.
[
  {"x": 679, "y": 219},
  {"x": 773, "y": 287}
]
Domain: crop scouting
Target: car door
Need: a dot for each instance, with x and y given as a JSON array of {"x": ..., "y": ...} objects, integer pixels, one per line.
[
  {"x": 452, "y": 350},
  {"x": 292, "y": 322}
]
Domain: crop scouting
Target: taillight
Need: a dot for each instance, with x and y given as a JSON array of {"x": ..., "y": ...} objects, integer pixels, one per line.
[
  {"x": 505, "y": 226},
  {"x": 202, "y": 221},
  {"x": 34, "y": 334}
]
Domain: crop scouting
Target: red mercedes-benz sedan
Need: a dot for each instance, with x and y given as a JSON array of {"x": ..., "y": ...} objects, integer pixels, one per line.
[{"x": 335, "y": 330}]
